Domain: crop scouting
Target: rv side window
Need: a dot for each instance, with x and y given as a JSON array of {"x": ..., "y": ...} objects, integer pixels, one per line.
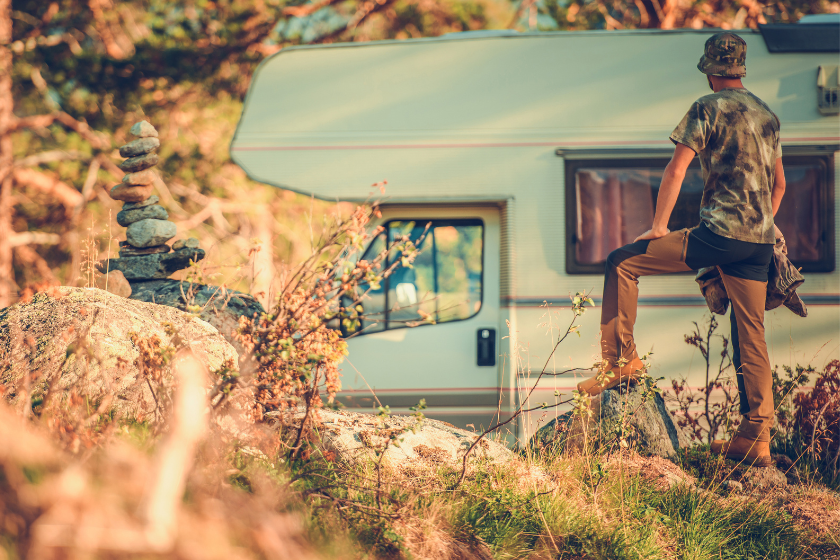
[
  {"x": 610, "y": 202},
  {"x": 443, "y": 284},
  {"x": 806, "y": 216}
]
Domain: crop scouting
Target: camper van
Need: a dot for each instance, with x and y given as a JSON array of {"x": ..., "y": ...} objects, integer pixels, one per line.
[{"x": 529, "y": 157}]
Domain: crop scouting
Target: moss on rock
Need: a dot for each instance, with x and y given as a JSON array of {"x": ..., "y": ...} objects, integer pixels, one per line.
[{"x": 82, "y": 337}]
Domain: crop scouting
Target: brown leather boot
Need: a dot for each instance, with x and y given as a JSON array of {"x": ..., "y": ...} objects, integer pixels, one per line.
[
  {"x": 744, "y": 450},
  {"x": 593, "y": 386}
]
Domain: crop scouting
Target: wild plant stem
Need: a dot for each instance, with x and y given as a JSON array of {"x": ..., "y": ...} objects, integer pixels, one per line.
[{"x": 518, "y": 411}]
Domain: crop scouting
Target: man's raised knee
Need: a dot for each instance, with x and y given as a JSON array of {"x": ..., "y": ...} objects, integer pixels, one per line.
[{"x": 618, "y": 256}]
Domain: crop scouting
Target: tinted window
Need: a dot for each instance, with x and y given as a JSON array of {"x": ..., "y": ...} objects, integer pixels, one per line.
[
  {"x": 609, "y": 203},
  {"x": 805, "y": 214},
  {"x": 443, "y": 284},
  {"x": 616, "y": 205}
]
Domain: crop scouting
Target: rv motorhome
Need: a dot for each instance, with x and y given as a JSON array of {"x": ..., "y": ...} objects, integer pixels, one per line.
[{"x": 533, "y": 156}]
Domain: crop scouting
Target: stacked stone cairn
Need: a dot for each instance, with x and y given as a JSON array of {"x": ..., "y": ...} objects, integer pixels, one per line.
[{"x": 145, "y": 254}]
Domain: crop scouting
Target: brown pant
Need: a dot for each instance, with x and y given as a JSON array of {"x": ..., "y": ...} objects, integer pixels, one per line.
[{"x": 669, "y": 254}]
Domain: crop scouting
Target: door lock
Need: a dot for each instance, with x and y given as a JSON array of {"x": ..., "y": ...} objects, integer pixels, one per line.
[{"x": 486, "y": 347}]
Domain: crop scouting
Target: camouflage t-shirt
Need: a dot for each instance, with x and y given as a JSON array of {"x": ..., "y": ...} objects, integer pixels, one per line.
[{"x": 737, "y": 138}]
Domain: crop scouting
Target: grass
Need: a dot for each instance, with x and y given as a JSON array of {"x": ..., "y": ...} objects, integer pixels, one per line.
[
  {"x": 557, "y": 512},
  {"x": 574, "y": 507}
]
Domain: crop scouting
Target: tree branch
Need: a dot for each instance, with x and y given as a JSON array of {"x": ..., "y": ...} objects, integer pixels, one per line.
[
  {"x": 34, "y": 238},
  {"x": 30, "y": 258},
  {"x": 49, "y": 157},
  {"x": 523, "y": 5},
  {"x": 97, "y": 140},
  {"x": 103, "y": 27},
  {"x": 307, "y": 9},
  {"x": 359, "y": 17},
  {"x": 59, "y": 190}
]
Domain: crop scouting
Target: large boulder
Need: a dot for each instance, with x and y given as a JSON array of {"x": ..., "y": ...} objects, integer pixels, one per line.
[
  {"x": 641, "y": 415},
  {"x": 81, "y": 337},
  {"x": 355, "y": 438},
  {"x": 220, "y": 307}
]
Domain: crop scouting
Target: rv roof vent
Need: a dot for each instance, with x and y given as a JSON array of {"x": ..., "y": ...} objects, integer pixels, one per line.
[
  {"x": 810, "y": 36},
  {"x": 828, "y": 88}
]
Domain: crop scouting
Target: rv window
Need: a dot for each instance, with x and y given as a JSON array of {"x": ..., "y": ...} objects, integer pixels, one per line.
[
  {"x": 805, "y": 216},
  {"x": 609, "y": 203},
  {"x": 443, "y": 284}
]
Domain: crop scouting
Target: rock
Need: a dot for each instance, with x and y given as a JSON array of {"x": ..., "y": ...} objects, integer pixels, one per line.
[
  {"x": 783, "y": 462},
  {"x": 127, "y": 217},
  {"x": 191, "y": 242},
  {"x": 129, "y": 193},
  {"x": 146, "y": 177},
  {"x": 129, "y": 251},
  {"x": 732, "y": 485},
  {"x": 154, "y": 266},
  {"x": 95, "y": 320},
  {"x": 139, "y": 147},
  {"x": 115, "y": 283},
  {"x": 653, "y": 429},
  {"x": 660, "y": 472},
  {"x": 143, "y": 203},
  {"x": 355, "y": 438},
  {"x": 143, "y": 129},
  {"x": 149, "y": 232},
  {"x": 139, "y": 163},
  {"x": 761, "y": 478},
  {"x": 220, "y": 307}
]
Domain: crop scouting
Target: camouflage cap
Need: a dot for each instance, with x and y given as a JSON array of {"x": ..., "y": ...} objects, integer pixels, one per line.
[{"x": 725, "y": 56}]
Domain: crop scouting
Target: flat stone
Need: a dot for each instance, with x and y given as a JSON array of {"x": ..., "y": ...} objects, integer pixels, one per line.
[
  {"x": 192, "y": 243},
  {"x": 146, "y": 177},
  {"x": 148, "y": 233},
  {"x": 131, "y": 193},
  {"x": 220, "y": 307},
  {"x": 152, "y": 267},
  {"x": 129, "y": 251},
  {"x": 357, "y": 438},
  {"x": 139, "y": 163},
  {"x": 761, "y": 478},
  {"x": 143, "y": 129},
  {"x": 115, "y": 283},
  {"x": 139, "y": 147},
  {"x": 155, "y": 212},
  {"x": 154, "y": 199}
]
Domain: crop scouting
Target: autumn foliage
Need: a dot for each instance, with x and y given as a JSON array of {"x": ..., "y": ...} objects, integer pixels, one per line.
[{"x": 294, "y": 350}]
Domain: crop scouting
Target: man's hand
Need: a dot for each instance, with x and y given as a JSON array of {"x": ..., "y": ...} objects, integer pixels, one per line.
[{"x": 653, "y": 234}]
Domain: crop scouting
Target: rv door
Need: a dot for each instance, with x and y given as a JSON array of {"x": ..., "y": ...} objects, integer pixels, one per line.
[{"x": 431, "y": 331}]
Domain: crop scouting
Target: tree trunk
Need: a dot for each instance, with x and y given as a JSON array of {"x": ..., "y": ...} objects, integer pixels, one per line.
[{"x": 6, "y": 157}]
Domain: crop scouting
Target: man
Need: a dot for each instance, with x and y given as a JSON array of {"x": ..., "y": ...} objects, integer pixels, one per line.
[{"x": 736, "y": 137}]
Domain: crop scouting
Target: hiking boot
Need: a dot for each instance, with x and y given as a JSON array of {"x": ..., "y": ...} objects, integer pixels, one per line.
[
  {"x": 744, "y": 450},
  {"x": 631, "y": 370}
]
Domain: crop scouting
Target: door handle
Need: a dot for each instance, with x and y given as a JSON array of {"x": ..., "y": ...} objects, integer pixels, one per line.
[{"x": 486, "y": 347}]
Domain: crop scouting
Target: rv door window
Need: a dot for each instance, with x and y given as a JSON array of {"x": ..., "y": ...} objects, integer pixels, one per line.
[
  {"x": 444, "y": 283},
  {"x": 609, "y": 203}
]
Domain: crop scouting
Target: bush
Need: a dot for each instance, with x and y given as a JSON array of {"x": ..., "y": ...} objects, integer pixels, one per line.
[
  {"x": 701, "y": 415},
  {"x": 808, "y": 427}
]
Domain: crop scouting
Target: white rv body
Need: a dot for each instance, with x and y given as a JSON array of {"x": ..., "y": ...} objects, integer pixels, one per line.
[{"x": 484, "y": 127}]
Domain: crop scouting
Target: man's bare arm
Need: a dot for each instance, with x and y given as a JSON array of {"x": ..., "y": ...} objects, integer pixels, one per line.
[
  {"x": 669, "y": 190},
  {"x": 779, "y": 186}
]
